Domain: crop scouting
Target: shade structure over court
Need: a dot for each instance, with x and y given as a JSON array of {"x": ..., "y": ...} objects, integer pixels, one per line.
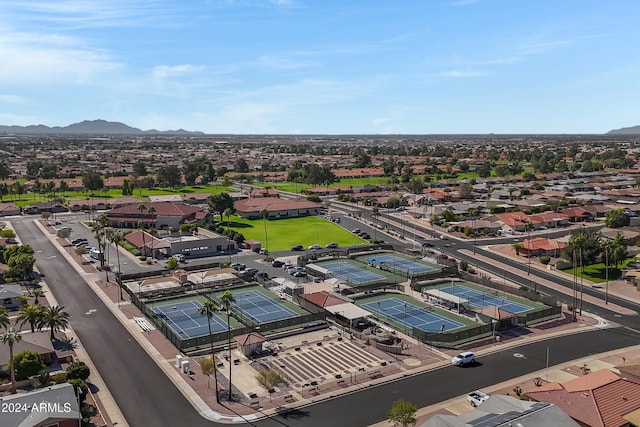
[
  {"x": 348, "y": 310},
  {"x": 445, "y": 296}
]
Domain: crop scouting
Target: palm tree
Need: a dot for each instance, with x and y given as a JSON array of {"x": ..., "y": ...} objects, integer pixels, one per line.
[
  {"x": 54, "y": 318},
  {"x": 142, "y": 208},
  {"x": 4, "y": 317},
  {"x": 29, "y": 314},
  {"x": 265, "y": 215},
  {"x": 375, "y": 213},
  {"x": 228, "y": 212},
  {"x": 37, "y": 293},
  {"x": 151, "y": 211},
  {"x": 10, "y": 337},
  {"x": 209, "y": 309},
  {"x": 226, "y": 300},
  {"x": 517, "y": 246},
  {"x": 115, "y": 237}
]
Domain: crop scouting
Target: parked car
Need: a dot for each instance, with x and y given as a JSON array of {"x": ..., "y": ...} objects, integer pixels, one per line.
[
  {"x": 443, "y": 237},
  {"x": 315, "y": 247},
  {"x": 476, "y": 398},
  {"x": 356, "y": 231},
  {"x": 336, "y": 219},
  {"x": 287, "y": 265},
  {"x": 263, "y": 251},
  {"x": 78, "y": 240},
  {"x": 249, "y": 272},
  {"x": 332, "y": 245},
  {"x": 237, "y": 266},
  {"x": 178, "y": 257},
  {"x": 262, "y": 275},
  {"x": 277, "y": 263},
  {"x": 80, "y": 244},
  {"x": 427, "y": 245},
  {"x": 365, "y": 236},
  {"x": 297, "y": 248},
  {"x": 464, "y": 358},
  {"x": 299, "y": 274},
  {"x": 294, "y": 270}
]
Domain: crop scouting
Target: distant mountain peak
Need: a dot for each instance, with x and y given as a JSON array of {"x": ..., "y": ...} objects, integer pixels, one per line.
[
  {"x": 633, "y": 130},
  {"x": 89, "y": 127}
]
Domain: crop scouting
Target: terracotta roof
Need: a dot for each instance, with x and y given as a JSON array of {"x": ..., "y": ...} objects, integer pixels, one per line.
[
  {"x": 322, "y": 299},
  {"x": 250, "y": 338},
  {"x": 543, "y": 244},
  {"x": 598, "y": 399},
  {"x": 272, "y": 204}
]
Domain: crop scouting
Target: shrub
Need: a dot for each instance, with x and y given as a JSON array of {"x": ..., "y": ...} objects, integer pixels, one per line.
[
  {"x": 464, "y": 265},
  {"x": 142, "y": 258},
  {"x": 78, "y": 370},
  {"x": 59, "y": 378},
  {"x": 545, "y": 259},
  {"x": 80, "y": 384},
  {"x": 27, "y": 364}
]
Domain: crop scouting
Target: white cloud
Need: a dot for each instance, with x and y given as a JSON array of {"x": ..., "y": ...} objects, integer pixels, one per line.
[{"x": 162, "y": 72}]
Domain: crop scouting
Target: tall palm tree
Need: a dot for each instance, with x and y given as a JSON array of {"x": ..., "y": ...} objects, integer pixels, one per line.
[
  {"x": 228, "y": 212},
  {"x": 29, "y": 314},
  {"x": 209, "y": 309},
  {"x": 151, "y": 211},
  {"x": 265, "y": 215},
  {"x": 4, "y": 317},
  {"x": 226, "y": 300},
  {"x": 10, "y": 337},
  {"x": 142, "y": 208},
  {"x": 55, "y": 318},
  {"x": 115, "y": 237}
]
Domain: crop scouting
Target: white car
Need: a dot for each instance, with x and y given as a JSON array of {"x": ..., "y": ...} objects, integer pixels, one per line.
[
  {"x": 315, "y": 247},
  {"x": 476, "y": 398},
  {"x": 464, "y": 358}
]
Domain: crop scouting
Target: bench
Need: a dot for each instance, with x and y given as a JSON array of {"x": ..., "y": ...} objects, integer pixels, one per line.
[
  {"x": 255, "y": 404},
  {"x": 289, "y": 398}
]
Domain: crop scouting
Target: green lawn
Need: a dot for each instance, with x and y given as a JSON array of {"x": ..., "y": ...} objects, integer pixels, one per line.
[
  {"x": 597, "y": 273},
  {"x": 284, "y": 233}
]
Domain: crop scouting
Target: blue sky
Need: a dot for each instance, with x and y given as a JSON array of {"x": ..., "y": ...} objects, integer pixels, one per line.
[{"x": 323, "y": 66}]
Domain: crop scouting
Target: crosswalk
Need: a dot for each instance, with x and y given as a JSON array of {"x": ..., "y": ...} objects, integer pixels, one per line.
[{"x": 324, "y": 362}]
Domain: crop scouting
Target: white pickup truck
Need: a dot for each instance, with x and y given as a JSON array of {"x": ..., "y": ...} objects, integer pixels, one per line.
[{"x": 475, "y": 398}]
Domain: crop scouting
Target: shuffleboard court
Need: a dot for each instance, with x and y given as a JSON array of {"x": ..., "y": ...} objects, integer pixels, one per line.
[
  {"x": 400, "y": 264},
  {"x": 482, "y": 299},
  {"x": 183, "y": 318},
  {"x": 410, "y": 315},
  {"x": 260, "y": 308},
  {"x": 351, "y": 273}
]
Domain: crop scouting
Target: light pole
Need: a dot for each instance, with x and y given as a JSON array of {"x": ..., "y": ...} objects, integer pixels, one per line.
[{"x": 606, "y": 274}]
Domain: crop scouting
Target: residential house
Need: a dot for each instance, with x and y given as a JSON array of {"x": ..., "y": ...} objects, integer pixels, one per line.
[
  {"x": 10, "y": 295},
  {"x": 598, "y": 399},
  {"x": 199, "y": 244},
  {"x": 577, "y": 214},
  {"x": 54, "y": 405},
  {"x": 505, "y": 411},
  {"x": 9, "y": 209},
  {"x": 540, "y": 246},
  {"x": 38, "y": 341}
]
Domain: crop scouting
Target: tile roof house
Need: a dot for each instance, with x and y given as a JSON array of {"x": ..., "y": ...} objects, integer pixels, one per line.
[
  {"x": 7, "y": 209},
  {"x": 39, "y": 341},
  {"x": 599, "y": 399},
  {"x": 539, "y": 246},
  {"x": 277, "y": 208}
]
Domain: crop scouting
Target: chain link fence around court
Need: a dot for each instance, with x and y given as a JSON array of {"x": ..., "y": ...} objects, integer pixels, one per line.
[
  {"x": 452, "y": 338},
  {"x": 552, "y": 309}
]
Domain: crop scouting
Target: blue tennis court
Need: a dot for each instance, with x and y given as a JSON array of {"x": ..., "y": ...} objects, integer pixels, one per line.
[
  {"x": 184, "y": 319},
  {"x": 482, "y": 299},
  {"x": 260, "y": 308},
  {"x": 351, "y": 273},
  {"x": 411, "y": 315},
  {"x": 397, "y": 263}
]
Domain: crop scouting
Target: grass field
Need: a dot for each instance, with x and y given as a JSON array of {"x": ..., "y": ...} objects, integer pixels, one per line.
[
  {"x": 597, "y": 273},
  {"x": 31, "y": 198},
  {"x": 284, "y": 233}
]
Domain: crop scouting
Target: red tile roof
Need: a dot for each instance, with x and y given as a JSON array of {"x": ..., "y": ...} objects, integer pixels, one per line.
[
  {"x": 598, "y": 399},
  {"x": 322, "y": 299},
  {"x": 272, "y": 204}
]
